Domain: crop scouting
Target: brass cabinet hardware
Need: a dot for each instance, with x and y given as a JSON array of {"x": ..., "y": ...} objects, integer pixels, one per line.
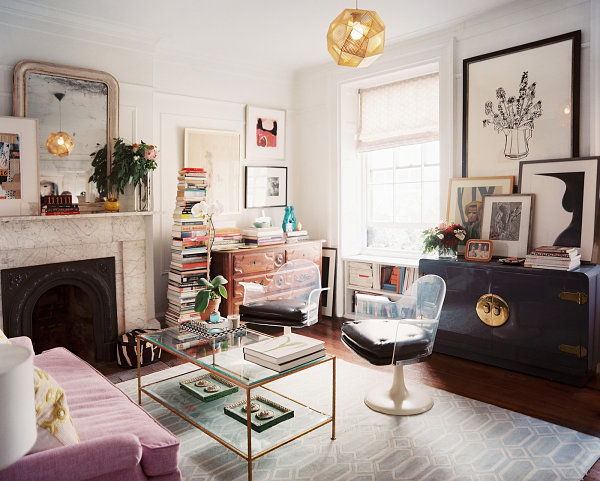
[
  {"x": 578, "y": 297},
  {"x": 577, "y": 351},
  {"x": 492, "y": 310}
]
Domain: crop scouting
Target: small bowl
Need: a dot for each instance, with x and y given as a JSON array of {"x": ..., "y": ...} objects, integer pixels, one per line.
[{"x": 261, "y": 224}]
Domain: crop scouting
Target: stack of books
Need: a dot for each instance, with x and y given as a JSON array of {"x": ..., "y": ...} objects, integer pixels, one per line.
[
  {"x": 284, "y": 352},
  {"x": 189, "y": 254},
  {"x": 227, "y": 238},
  {"x": 59, "y": 205},
  {"x": 263, "y": 236},
  {"x": 554, "y": 257},
  {"x": 296, "y": 236}
]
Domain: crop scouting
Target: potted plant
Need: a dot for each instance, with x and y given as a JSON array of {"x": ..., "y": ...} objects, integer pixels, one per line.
[
  {"x": 209, "y": 298},
  {"x": 443, "y": 239}
]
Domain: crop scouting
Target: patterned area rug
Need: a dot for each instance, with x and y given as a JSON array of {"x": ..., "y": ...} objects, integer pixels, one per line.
[{"x": 459, "y": 439}]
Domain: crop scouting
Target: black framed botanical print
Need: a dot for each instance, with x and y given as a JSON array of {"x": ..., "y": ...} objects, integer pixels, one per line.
[{"x": 521, "y": 103}]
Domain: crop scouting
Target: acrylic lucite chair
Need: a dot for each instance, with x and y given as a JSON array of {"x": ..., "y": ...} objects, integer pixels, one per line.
[
  {"x": 397, "y": 333},
  {"x": 290, "y": 300}
]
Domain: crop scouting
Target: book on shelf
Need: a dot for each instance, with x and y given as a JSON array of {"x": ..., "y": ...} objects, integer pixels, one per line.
[
  {"x": 556, "y": 254},
  {"x": 569, "y": 267},
  {"x": 262, "y": 231},
  {"x": 192, "y": 169},
  {"x": 551, "y": 260},
  {"x": 284, "y": 348},
  {"x": 294, "y": 240},
  {"x": 280, "y": 367},
  {"x": 188, "y": 265},
  {"x": 555, "y": 249},
  {"x": 296, "y": 233}
]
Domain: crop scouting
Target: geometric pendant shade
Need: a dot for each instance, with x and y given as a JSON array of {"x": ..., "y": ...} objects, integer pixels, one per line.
[
  {"x": 59, "y": 144},
  {"x": 356, "y": 37}
]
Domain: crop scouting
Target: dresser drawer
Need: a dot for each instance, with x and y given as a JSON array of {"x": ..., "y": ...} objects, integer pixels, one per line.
[
  {"x": 238, "y": 289},
  {"x": 258, "y": 262},
  {"x": 311, "y": 253}
]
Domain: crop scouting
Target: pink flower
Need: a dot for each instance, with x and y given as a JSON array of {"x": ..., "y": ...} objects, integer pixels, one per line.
[{"x": 150, "y": 154}]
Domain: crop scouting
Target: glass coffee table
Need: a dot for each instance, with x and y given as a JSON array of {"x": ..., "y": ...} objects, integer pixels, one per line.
[{"x": 223, "y": 361}]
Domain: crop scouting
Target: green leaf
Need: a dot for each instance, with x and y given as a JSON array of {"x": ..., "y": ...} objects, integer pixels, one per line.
[
  {"x": 222, "y": 291},
  {"x": 206, "y": 283},
  {"x": 202, "y": 301},
  {"x": 219, "y": 281}
]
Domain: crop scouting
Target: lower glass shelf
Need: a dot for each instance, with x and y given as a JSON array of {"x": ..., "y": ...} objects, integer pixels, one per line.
[{"x": 212, "y": 418}]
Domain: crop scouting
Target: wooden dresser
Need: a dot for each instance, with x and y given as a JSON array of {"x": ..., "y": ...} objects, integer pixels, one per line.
[{"x": 257, "y": 265}]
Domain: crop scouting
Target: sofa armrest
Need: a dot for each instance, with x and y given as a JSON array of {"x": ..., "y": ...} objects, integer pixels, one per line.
[
  {"x": 89, "y": 459},
  {"x": 22, "y": 341}
]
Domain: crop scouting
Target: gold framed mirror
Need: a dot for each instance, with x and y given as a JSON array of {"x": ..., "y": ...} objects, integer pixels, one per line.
[{"x": 82, "y": 104}]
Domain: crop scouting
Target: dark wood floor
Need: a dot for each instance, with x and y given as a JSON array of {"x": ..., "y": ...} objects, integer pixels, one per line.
[{"x": 572, "y": 407}]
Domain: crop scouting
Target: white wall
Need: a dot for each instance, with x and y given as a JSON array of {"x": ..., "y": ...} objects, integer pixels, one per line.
[
  {"x": 320, "y": 97},
  {"x": 161, "y": 93}
]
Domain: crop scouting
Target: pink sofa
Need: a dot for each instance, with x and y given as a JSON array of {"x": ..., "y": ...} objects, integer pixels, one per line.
[{"x": 119, "y": 440}]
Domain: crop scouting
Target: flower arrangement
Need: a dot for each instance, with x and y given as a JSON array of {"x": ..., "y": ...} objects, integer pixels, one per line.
[
  {"x": 443, "y": 236},
  {"x": 514, "y": 112}
]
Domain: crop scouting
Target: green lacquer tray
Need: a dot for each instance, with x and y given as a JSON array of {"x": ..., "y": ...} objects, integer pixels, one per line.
[
  {"x": 225, "y": 387},
  {"x": 280, "y": 413}
]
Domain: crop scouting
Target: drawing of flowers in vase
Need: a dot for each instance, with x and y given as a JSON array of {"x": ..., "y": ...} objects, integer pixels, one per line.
[{"x": 514, "y": 117}]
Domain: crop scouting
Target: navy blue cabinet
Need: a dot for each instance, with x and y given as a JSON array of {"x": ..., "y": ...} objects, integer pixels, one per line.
[{"x": 540, "y": 322}]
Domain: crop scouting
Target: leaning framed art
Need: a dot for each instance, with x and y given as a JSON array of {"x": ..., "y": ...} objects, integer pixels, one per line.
[
  {"x": 266, "y": 187},
  {"x": 265, "y": 133},
  {"x": 19, "y": 167},
  {"x": 566, "y": 192},
  {"x": 521, "y": 103},
  {"x": 507, "y": 221}
]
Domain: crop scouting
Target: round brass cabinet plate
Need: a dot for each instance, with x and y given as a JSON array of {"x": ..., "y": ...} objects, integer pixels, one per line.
[{"x": 492, "y": 310}]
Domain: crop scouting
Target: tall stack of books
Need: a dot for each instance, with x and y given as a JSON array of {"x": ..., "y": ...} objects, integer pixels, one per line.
[
  {"x": 227, "y": 238},
  {"x": 59, "y": 205},
  {"x": 263, "y": 236},
  {"x": 296, "y": 236},
  {"x": 554, "y": 257},
  {"x": 189, "y": 256},
  {"x": 284, "y": 352}
]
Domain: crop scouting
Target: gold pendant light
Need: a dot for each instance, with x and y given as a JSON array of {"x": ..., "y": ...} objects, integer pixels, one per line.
[
  {"x": 356, "y": 37},
  {"x": 59, "y": 144}
]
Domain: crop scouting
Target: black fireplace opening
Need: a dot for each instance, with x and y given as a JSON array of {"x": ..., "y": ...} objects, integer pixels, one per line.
[{"x": 68, "y": 304}]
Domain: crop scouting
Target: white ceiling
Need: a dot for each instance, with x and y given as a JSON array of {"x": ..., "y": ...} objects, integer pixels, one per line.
[{"x": 286, "y": 34}]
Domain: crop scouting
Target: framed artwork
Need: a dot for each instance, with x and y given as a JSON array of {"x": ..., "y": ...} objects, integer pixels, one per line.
[
  {"x": 521, "y": 103},
  {"x": 329, "y": 260},
  {"x": 479, "y": 250},
  {"x": 566, "y": 191},
  {"x": 265, "y": 133},
  {"x": 266, "y": 187},
  {"x": 219, "y": 153},
  {"x": 465, "y": 200},
  {"x": 507, "y": 221},
  {"x": 19, "y": 167}
]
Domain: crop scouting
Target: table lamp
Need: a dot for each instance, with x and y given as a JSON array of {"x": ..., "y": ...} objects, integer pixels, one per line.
[{"x": 18, "y": 430}]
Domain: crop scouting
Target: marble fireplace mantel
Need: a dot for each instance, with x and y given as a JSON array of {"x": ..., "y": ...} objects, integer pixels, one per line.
[{"x": 35, "y": 240}]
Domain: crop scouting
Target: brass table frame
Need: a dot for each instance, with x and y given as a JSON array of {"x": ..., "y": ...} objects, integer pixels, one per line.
[{"x": 248, "y": 457}]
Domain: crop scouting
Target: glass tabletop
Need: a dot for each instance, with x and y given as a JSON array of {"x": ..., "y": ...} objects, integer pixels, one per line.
[{"x": 225, "y": 356}]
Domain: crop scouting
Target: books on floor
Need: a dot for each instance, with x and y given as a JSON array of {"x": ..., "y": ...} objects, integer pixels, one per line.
[
  {"x": 554, "y": 257},
  {"x": 284, "y": 352}
]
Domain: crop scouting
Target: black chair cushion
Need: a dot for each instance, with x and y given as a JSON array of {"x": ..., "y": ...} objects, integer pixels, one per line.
[
  {"x": 374, "y": 340},
  {"x": 279, "y": 312}
]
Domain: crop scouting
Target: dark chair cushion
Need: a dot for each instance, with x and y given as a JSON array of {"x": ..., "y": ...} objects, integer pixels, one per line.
[
  {"x": 374, "y": 340},
  {"x": 279, "y": 312}
]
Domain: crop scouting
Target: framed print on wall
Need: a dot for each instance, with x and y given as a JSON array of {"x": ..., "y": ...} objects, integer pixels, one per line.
[
  {"x": 219, "y": 153},
  {"x": 507, "y": 221},
  {"x": 265, "y": 133},
  {"x": 266, "y": 187},
  {"x": 465, "y": 199},
  {"x": 566, "y": 209},
  {"x": 521, "y": 103},
  {"x": 19, "y": 167}
]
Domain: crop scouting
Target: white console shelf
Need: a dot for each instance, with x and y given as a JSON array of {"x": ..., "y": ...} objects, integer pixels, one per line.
[{"x": 363, "y": 273}]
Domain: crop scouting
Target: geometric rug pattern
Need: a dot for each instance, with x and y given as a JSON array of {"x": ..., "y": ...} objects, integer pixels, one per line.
[{"x": 459, "y": 439}]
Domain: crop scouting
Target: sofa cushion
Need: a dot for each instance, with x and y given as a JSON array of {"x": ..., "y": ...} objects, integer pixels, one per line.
[
  {"x": 98, "y": 407},
  {"x": 54, "y": 424}
]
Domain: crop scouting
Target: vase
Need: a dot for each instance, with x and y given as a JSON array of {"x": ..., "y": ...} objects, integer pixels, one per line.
[
  {"x": 447, "y": 253},
  {"x": 112, "y": 204},
  {"x": 142, "y": 195},
  {"x": 516, "y": 145},
  {"x": 213, "y": 306}
]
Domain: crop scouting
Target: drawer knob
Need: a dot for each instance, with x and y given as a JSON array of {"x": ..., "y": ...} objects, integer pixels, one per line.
[{"x": 492, "y": 310}]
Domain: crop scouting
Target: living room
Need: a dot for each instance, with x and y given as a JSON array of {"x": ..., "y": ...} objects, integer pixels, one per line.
[{"x": 189, "y": 66}]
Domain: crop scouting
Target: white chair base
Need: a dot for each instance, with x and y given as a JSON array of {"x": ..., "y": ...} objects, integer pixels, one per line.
[{"x": 397, "y": 399}]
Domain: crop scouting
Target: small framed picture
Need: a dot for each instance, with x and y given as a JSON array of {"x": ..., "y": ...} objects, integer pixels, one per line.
[
  {"x": 266, "y": 187},
  {"x": 507, "y": 220},
  {"x": 479, "y": 250},
  {"x": 265, "y": 133}
]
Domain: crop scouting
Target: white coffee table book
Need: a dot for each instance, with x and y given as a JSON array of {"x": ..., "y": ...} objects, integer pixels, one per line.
[{"x": 284, "y": 350}]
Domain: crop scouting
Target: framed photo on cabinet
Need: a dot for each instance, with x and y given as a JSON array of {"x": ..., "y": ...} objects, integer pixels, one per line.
[
  {"x": 566, "y": 192},
  {"x": 265, "y": 133},
  {"x": 521, "y": 103}
]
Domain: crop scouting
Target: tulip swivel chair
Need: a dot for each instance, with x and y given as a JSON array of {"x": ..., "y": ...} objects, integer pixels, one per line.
[
  {"x": 290, "y": 299},
  {"x": 397, "y": 333}
]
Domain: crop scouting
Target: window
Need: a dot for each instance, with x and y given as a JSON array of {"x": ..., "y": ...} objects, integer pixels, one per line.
[{"x": 398, "y": 143}]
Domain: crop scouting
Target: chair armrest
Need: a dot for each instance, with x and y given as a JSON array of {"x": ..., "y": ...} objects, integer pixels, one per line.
[
  {"x": 86, "y": 460},
  {"x": 252, "y": 290},
  {"x": 313, "y": 297},
  {"x": 22, "y": 341}
]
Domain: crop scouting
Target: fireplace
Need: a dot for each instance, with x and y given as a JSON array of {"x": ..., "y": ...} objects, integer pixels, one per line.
[{"x": 69, "y": 304}]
